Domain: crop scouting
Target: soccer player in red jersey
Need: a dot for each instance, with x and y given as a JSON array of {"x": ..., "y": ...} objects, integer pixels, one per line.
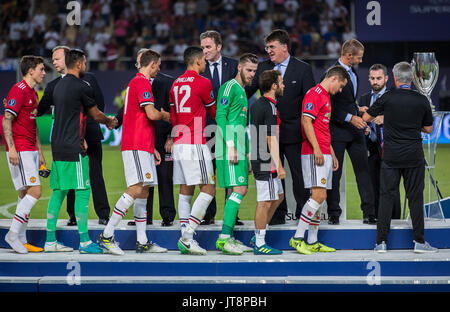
[
  {"x": 139, "y": 154},
  {"x": 190, "y": 97},
  {"x": 318, "y": 159},
  {"x": 23, "y": 148}
]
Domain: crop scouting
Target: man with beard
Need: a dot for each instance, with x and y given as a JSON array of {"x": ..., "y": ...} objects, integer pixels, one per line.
[
  {"x": 378, "y": 78},
  {"x": 232, "y": 148},
  {"x": 266, "y": 163},
  {"x": 73, "y": 100}
]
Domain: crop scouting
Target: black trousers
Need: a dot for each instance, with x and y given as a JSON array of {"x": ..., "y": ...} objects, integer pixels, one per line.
[
  {"x": 374, "y": 161},
  {"x": 357, "y": 151},
  {"x": 414, "y": 182},
  {"x": 165, "y": 190},
  {"x": 292, "y": 153},
  {"x": 99, "y": 196},
  {"x": 212, "y": 208}
]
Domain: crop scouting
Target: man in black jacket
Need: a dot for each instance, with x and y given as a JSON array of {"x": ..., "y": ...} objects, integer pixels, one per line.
[
  {"x": 219, "y": 69},
  {"x": 298, "y": 79},
  {"x": 93, "y": 138},
  {"x": 378, "y": 78},
  {"x": 407, "y": 113},
  {"x": 161, "y": 86},
  {"x": 347, "y": 134}
]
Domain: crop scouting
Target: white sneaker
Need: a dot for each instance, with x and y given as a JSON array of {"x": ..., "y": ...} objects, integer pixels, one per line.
[
  {"x": 13, "y": 240},
  {"x": 424, "y": 248},
  {"x": 109, "y": 245},
  {"x": 56, "y": 247},
  {"x": 190, "y": 247},
  {"x": 232, "y": 248},
  {"x": 243, "y": 247},
  {"x": 149, "y": 247}
]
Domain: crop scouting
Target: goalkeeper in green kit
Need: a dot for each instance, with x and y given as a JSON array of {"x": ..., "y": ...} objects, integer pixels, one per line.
[{"x": 232, "y": 148}]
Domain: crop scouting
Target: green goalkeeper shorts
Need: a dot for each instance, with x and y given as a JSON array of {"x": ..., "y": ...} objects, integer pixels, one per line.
[
  {"x": 230, "y": 175},
  {"x": 70, "y": 175}
]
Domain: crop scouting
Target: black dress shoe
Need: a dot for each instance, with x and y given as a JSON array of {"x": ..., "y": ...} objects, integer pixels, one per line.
[
  {"x": 370, "y": 220},
  {"x": 131, "y": 223},
  {"x": 166, "y": 223},
  {"x": 72, "y": 222},
  {"x": 277, "y": 221},
  {"x": 207, "y": 222},
  {"x": 334, "y": 220},
  {"x": 239, "y": 222},
  {"x": 103, "y": 221}
]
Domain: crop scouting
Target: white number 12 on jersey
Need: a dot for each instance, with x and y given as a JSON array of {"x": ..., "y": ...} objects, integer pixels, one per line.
[{"x": 179, "y": 105}]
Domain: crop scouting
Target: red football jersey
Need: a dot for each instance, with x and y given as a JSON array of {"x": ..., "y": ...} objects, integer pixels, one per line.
[
  {"x": 138, "y": 132},
  {"x": 316, "y": 105},
  {"x": 22, "y": 102},
  {"x": 191, "y": 95}
]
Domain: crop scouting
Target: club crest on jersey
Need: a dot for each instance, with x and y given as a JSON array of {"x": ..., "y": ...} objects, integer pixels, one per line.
[
  {"x": 224, "y": 101},
  {"x": 148, "y": 175},
  {"x": 241, "y": 179},
  {"x": 323, "y": 181},
  {"x": 12, "y": 102},
  {"x": 33, "y": 179},
  {"x": 309, "y": 106},
  {"x": 146, "y": 95}
]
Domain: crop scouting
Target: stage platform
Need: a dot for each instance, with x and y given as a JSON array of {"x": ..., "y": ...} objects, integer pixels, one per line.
[
  {"x": 343, "y": 270},
  {"x": 350, "y": 234},
  {"x": 354, "y": 267}
]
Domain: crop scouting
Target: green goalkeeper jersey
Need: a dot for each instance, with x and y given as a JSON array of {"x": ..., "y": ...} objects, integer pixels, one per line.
[{"x": 231, "y": 118}]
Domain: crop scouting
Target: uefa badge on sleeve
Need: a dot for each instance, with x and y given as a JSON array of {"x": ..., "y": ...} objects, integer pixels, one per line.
[
  {"x": 146, "y": 95},
  {"x": 309, "y": 106}
]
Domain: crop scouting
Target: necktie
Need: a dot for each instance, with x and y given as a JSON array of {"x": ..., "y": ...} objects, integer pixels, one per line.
[
  {"x": 353, "y": 79},
  {"x": 279, "y": 68},
  {"x": 215, "y": 78},
  {"x": 372, "y": 125}
]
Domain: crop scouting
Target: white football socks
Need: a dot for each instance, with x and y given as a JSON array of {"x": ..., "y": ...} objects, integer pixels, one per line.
[
  {"x": 199, "y": 207},
  {"x": 184, "y": 208},
  {"x": 140, "y": 217},
  {"x": 308, "y": 212},
  {"x": 20, "y": 220},
  {"x": 120, "y": 210}
]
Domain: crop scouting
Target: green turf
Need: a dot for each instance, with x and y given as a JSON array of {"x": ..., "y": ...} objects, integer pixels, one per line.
[{"x": 115, "y": 184}]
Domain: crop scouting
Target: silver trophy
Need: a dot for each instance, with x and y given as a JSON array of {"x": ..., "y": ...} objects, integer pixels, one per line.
[{"x": 426, "y": 72}]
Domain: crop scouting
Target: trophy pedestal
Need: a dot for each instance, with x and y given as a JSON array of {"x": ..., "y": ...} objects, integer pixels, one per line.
[{"x": 433, "y": 208}]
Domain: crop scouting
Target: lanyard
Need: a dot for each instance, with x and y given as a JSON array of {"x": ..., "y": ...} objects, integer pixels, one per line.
[{"x": 404, "y": 86}]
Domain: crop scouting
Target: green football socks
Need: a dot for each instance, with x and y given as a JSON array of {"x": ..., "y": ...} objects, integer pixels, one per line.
[
  {"x": 54, "y": 205},
  {"x": 230, "y": 213},
  {"x": 81, "y": 213}
]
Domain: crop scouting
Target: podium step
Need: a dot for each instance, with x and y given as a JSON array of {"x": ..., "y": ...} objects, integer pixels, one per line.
[
  {"x": 343, "y": 270},
  {"x": 351, "y": 234}
]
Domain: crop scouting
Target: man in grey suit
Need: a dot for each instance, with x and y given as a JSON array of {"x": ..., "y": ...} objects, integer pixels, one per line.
[
  {"x": 298, "y": 79},
  {"x": 219, "y": 69}
]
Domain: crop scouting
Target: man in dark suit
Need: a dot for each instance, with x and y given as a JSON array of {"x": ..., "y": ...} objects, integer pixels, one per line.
[
  {"x": 161, "y": 86},
  {"x": 93, "y": 138},
  {"x": 298, "y": 79},
  {"x": 378, "y": 78},
  {"x": 219, "y": 69},
  {"x": 347, "y": 134}
]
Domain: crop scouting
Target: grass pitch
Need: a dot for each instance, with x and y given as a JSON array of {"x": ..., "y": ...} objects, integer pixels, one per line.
[{"x": 115, "y": 184}]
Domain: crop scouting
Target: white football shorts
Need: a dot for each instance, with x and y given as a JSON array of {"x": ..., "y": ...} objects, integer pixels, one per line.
[
  {"x": 317, "y": 176},
  {"x": 267, "y": 190},
  {"x": 139, "y": 167},
  {"x": 192, "y": 164},
  {"x": 26, "y": 173}
]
